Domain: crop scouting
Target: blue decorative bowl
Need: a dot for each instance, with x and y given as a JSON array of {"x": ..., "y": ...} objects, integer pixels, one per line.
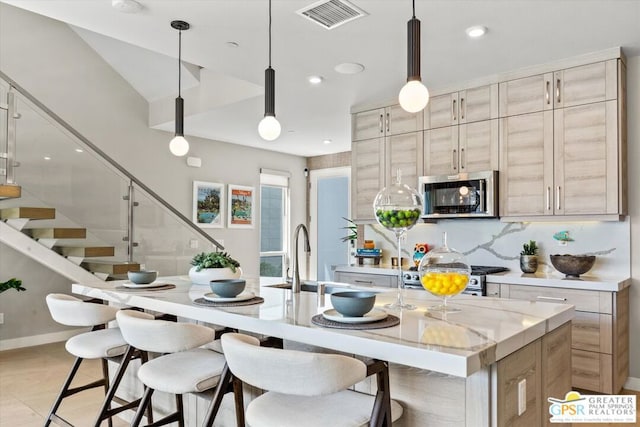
[
  {"x": 227, "y": 288},
  {"x": 353, "y": 304},
  {"x": 142, "y": 277}
]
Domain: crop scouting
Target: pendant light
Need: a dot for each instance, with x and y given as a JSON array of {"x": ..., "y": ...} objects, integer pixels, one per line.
[
  {"x": 413, "y": 96},
  {"x": 179, "y": 146},
  {"x": 269, "y": 127}
]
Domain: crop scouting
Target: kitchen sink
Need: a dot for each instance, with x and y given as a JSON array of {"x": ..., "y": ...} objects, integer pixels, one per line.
[{"x": 329, "y": 287}]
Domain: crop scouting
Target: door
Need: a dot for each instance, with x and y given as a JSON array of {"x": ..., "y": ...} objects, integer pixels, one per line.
[{"x": 329, "y": 205}]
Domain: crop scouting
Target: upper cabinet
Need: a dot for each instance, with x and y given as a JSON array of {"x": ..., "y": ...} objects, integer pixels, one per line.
[
  {"x": 384, "y": 140},
  {"x": 462, "y": 132},
  {"x": 562, "y": 143}
]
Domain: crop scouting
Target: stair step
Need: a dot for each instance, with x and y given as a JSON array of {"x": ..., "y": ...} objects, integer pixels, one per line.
[
  {"x": 8, "y": 191},
  {"x": 27, "y": 213},
  {"x": 110, "y": 267},
  {"x": 85, "y": 251},
  {"x": 57, "y": 233}
]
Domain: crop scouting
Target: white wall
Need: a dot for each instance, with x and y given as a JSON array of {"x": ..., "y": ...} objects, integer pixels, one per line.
[{"x": 51, "y": 62}]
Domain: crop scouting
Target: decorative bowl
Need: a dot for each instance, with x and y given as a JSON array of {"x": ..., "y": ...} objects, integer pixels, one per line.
[
  {"x": 353, "y": 304},
  {"x": 572, "y": 265},
  {"x": 142, "y": 277},
  {"x": 227, "y": 288}
]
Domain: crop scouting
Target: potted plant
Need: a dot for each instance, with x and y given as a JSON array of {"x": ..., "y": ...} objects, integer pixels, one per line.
[
  {"x": 12, "y": 284},
  {"x": 213, "y": 266},
  {"x": 529, "y": 257}
]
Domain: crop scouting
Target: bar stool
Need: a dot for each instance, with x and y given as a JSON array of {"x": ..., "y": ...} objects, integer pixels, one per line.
[
  {"x": 308, "y": 386},
  {"x": 102, "y": 343},
  {"x": 184, "y": 368}
]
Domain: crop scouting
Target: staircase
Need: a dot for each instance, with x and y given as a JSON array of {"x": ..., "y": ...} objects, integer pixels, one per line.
[
  {"x": 49, "y": 245},
  {"x": 8, "y": 191}
]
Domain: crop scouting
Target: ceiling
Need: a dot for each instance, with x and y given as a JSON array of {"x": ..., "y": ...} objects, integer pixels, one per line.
[{"x": 229, "y": 81}]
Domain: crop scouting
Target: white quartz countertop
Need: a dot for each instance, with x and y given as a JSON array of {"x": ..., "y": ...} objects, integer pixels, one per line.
[
  {"x": 555, "y": 279},
  {"x": 459, "y": 344}
]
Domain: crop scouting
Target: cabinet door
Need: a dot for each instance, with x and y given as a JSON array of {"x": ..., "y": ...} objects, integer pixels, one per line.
[
  {"x": 398, "y": 121},
  {"x": 367, "y": 177},
  {"x": 480, "y": 103},
  {"x": 586, "y": 84},
  {"x": 441, "y": 151},
  {"x": 367, "y": 124},
  {"x": 403, "y": 152},
  {"x": 478, "y": 147},
  {"x": 526, "y": 164},
  {"x": 366, "y": 279},
  {"x": 586, "y": 159},
  {"x": 526, "y": 95},
  {"x": 441, "y": 111}
]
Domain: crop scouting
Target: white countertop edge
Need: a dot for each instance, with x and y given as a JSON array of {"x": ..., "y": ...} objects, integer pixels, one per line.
[{"x": 592, "y": 283}]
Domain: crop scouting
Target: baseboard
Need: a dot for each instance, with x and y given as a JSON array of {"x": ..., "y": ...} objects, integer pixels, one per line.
[
  {"x": 632, "y": 384},
  {"x": 33, "y": 340}
]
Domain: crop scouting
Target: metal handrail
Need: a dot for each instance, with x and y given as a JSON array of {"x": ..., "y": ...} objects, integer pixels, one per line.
[{"x": 109, "y": 160}]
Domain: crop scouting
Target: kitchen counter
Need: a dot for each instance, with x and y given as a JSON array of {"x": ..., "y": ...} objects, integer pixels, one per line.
[
  {"x": 485, "y": 331},
  {"x": 462, "y": 364}
]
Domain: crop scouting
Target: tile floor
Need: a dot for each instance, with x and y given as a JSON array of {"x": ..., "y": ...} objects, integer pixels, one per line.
[{"x": 30, "y": 379}]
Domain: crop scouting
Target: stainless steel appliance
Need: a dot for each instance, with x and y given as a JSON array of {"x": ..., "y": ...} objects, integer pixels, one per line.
[
  {"x": 477, "y": 281},
  {"x": 465, "y": 195}
]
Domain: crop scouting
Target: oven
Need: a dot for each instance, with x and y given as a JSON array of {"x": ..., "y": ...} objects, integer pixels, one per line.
[{"x": 477, "y": 280}]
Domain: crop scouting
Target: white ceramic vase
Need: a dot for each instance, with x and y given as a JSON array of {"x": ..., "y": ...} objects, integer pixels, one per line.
[{"x": 204, "y": 276}]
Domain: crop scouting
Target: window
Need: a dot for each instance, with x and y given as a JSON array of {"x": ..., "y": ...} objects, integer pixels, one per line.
[{"x": 274, "y": 224}]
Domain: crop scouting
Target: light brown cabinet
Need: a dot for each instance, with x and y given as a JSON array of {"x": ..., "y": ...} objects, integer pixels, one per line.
[
  {"x": 599, "y": 336},
  {"x": 384, "y": 140},
  {"x": 562, "y": 143},
  {"x": 460, "y": 135}
]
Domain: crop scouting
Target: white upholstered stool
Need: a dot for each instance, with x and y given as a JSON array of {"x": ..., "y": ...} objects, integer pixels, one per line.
[
  {"x": 308, "y": 389},
  {"x": 183, "y": 368},
  {"x": 102, "y": 343}
]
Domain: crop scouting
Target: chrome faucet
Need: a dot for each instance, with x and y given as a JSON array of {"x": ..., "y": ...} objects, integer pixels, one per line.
[{"x": 295, "y": 279}]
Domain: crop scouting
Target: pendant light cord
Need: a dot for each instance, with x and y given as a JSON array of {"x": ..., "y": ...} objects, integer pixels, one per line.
[
  {"x": 179, "y": 61},
  {"x": 269, "y": 33},
  {"x": 414, "y": 8}
]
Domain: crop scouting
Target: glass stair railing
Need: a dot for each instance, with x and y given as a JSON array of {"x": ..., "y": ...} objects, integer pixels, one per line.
[{"x": 82, "y": 205}]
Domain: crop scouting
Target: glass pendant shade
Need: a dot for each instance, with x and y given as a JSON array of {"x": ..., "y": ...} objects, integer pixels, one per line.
[
  {"x": 414, "y": 96},
  {"x": 269, "y": 128},
  {"x": 179, "y": 146}
]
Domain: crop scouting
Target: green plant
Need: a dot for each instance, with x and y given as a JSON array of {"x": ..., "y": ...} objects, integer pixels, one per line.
[
  {"x": 529, "y": 248},
  {"x": 214, "y": 260},
  {"x": 12, "y": 284},
  {"x": 353, "y": 231}
]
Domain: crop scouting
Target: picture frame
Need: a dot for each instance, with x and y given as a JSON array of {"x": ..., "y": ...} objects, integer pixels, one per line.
[
  {"x": 208, "y": 204},
  {"x": 241, "y": 205}
]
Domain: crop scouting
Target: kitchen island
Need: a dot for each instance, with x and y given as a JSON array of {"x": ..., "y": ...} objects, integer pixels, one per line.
[{"x": 493, "y": 363}]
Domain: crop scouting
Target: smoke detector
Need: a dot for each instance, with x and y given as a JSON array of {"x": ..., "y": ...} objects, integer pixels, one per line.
[
  {"x": 332, "y": 13},
  {"x": 126, "y": 6}
]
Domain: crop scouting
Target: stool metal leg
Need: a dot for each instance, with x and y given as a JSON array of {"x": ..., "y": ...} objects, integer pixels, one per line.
[
  {"x": 63, "y": 391},
  {"x": 105, "y": 375},
  {"x": 144, "y": 402},
  {"x": 228, "y": 382}
]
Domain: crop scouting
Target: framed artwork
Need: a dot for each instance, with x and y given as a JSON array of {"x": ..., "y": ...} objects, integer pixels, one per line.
[
  {"x": 208, "y": 204},
  {"x": 241, "y": 206}
]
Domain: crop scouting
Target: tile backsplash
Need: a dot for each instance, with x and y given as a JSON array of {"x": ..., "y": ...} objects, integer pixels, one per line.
[{"x": 491, "y": 242}]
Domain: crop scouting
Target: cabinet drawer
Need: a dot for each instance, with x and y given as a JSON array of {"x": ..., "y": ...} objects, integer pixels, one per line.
[
  {"x": 593, "y": 301},
  {"x": 592, "y": 332},
  {"x": 591, "y": 371},
  {"x": 366, "y": 279}
]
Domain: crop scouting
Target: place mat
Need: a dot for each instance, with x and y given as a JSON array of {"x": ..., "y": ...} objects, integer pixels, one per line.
[
  {"x": 388, "y": 322},
  {"x": 252, "y": 301},
  {"x": 157, "y": 288}
]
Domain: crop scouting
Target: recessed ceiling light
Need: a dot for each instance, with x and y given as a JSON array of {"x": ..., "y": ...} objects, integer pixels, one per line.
[
  {"x": 476, "y": 31},
  {"x": 326, "y": 141},
  {"x": 315, "y": 80},
  {"x": 79, "y": 150},
  {"x": 47, "y": 158},
  {"x": 126, "y": 6},
  {"x": 232, "y": 45},
  {"x": 349, "y": 68}
]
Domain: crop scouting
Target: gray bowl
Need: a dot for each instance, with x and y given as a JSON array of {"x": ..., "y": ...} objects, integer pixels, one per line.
[
  {"x": 353, "y": 304},
  {"x": 573, "y": 265},
  {"x": 142, "y": 277},
  {"x": 227, "y": 288}
]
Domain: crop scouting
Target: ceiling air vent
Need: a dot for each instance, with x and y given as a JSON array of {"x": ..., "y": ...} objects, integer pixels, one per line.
[{"x": 331, "y": 14}]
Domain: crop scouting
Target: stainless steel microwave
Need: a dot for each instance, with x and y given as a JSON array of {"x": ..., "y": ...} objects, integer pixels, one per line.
[{"x": 464, "y": 195}]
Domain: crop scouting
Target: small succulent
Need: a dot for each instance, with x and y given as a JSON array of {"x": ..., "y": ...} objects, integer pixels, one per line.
[
  {"x": 214, "y": 260},
  {"x": 529, "y": 248}
]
